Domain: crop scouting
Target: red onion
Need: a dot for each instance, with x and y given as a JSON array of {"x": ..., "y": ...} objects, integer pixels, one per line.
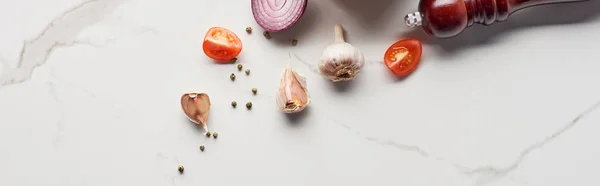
[{"x": 277, "y": 15}]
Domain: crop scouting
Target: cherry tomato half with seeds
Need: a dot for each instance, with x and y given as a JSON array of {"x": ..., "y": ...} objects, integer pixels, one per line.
[
  {"x": 403, "y": 57},
  {"x": 221, "y": 44}
]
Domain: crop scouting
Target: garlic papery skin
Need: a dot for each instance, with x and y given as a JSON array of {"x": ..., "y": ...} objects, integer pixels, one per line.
[
  {"x": 196, "y": 107},
  {"x": 341, "y": 61},
  {"x": 292, "y": 96}
]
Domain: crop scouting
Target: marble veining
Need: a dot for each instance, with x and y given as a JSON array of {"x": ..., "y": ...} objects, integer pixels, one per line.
[
  {"x": 92, "y": 99},
  {"x": 488, "y": 173},
  {"x": 61, "y": 32}
]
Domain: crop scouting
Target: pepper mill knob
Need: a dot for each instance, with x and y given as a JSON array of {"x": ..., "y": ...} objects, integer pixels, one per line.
[
  {"x": 413, "y": 19},
  {"x": 439, "y": 18}
]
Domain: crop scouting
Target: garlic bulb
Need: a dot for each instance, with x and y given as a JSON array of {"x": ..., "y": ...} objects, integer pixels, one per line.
[
  {"x": 292, "y": 96},
  {"x": 196, "y": 107},
  {"x": 341, "y": 61}
]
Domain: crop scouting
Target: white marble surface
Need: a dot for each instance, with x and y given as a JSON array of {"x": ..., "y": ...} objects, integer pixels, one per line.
[{"x": 90, "y": 96}]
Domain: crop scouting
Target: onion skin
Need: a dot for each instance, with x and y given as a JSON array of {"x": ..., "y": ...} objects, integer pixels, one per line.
[{"x": 278, "y": 15}]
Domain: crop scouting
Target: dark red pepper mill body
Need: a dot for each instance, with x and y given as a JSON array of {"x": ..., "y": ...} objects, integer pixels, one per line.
[{"x": 448, "y": 18}]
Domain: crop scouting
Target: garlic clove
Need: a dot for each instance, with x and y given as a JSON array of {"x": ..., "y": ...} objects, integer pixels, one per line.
[
  {"x": 196, "y": 107},
  {"x": 292, "y": 96},
  {"x": 341, "y": 61}
]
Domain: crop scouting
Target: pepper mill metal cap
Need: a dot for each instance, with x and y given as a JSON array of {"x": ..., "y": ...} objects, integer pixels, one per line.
[{"x": 414, "y": 19}]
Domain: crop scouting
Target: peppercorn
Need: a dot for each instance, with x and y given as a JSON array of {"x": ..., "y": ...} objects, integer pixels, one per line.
[
  {"x": 254, "y": 90},
  {"x": 249, "y": 29},
  {"x": 207, "y": 134},
  {"x": 239, "y": 66},
  {"x": 247, "y": 71},
  {"x": 249, "y": 105},
  {"x": 232, "y": 76},
  {"x": 294, "y": 42},
  {"x": 180, "y": 168},
  {"x": 215, "y": 135},
  {"x": 267, "y": 35},
  {"x": 202, "y": 147},
  {"x": 233, "y": 104}
]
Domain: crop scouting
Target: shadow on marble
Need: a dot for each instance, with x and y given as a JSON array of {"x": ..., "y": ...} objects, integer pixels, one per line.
[
  {"x": 193, "y": 125},
  {"x": 344, "y": 86},
  {"x": 296, "y": 119},
  {"x": 395, "y": 78},
  {"x": 564, "y": 14},
  {"x": 303, "y": 27},
  {"x": 369, "y": 14}
]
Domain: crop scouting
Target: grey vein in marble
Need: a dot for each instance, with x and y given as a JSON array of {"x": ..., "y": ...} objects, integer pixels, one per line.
[
  {"x": 493, "y": 173},
  {"x": 486, "y": 174},
  {"x": 54, "y": 85},
  {"x": 160, "y": 156},
  {"x": 60, "y": 32},
  {"x": 312, "y": 67},
  {"x": 59, "y": 123},
  {"x": 405, "y": 147}
]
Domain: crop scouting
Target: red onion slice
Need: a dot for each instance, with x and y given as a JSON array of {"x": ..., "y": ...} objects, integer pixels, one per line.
[{"x": 277, "y": 15}]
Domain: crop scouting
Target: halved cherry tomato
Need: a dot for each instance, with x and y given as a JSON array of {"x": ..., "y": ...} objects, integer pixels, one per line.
[
  {"x": 403, "y": 57},
  {"x": 221, "y": 44}
]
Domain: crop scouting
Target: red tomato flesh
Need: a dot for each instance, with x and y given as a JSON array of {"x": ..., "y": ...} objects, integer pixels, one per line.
[
  {"x": 403, "y": 57},
  {"x": 221, "y": 44}
]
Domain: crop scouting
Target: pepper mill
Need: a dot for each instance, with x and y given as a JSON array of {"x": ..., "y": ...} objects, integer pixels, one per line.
[{"x": 448, "y": 18}]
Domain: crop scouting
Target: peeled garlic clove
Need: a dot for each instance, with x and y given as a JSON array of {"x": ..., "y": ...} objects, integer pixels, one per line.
[
  {"x": 196, "y": 107},
  {"x": 293, "y": 95},
  {"x": 341, "y": 61}
]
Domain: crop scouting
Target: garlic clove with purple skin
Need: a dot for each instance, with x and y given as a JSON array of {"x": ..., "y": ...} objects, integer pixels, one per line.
[
  {"x": 196, "y": 107},
  {"x": 341, "y": 61},
  {"x": 293, "y": 95}
]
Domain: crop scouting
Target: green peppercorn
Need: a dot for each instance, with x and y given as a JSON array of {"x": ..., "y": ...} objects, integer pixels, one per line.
[
  {"x": 247, "y": 71},
  {"x": 233, "y": 60},
  {"x": 232, "y": 76},
  {"x": 202, "y": 147},
  {"x": 294, "y": 42},
  {"x": 267, "y": 35},
  {"x": 233, "y": 104},
  {"x": 254, "y": 90},
  {"x": 215, "y": 135},
  {"x": 239, "y": 66},
  {"x": 249, "y": 29},
  {"x": 207, "y": 134}
]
